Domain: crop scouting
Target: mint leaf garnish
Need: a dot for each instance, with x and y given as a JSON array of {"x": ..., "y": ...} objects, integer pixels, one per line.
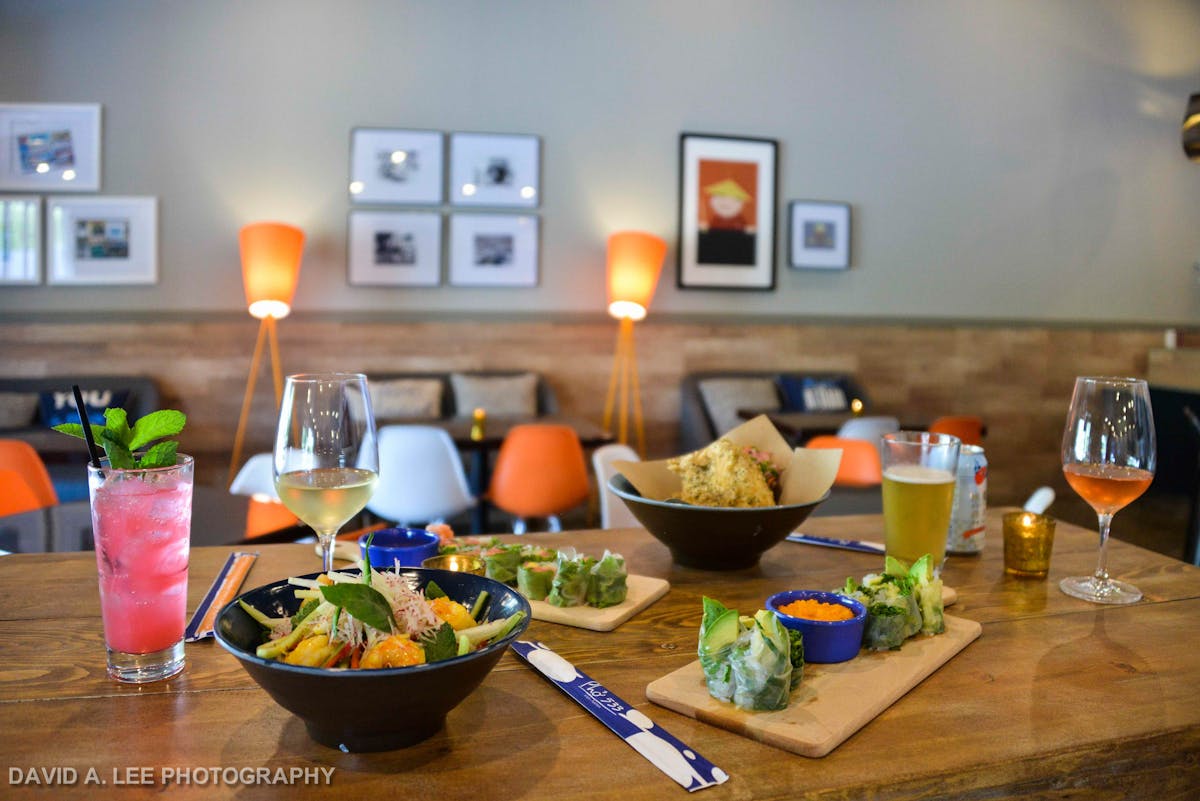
[
  {"x": 118, "y": 455},
  {"x": 120, "y": 442},
  {"x": 439, "y": 643},
  {"x": 363, "y": 602},
  {"x": 116, "y": 422},
  {"x": 160, "y": 455},
  {"x": 156, "y": 425}
]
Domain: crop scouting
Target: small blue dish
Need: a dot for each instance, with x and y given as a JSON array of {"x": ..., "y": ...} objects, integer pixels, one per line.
[
  {"x": 409, "y": 546},
  {"x": 825, "y": 641}
]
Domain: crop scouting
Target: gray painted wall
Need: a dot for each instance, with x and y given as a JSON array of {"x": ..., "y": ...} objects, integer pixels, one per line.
[{"x": 1006, "y": 159}]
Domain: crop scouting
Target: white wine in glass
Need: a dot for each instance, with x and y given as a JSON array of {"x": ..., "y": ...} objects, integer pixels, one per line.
[
  {"x": 326, "y": 456},
  {"x": 1108, "y": 456}
]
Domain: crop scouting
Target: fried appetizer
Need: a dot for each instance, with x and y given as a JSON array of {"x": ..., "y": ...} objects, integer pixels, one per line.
[{"x": 721, "y": 475}]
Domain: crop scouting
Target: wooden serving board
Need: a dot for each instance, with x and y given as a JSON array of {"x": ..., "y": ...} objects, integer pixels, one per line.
[
  {"x": 643, "y": 591},
  {"x": 832, "y": 703}
]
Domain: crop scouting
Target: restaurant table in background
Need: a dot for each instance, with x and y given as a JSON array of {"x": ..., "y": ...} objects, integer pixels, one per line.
[
  {"x": 495, "y": 428},
  {"x": 218, "y": 518},
  {"x": 1057, "y": 697},
  {"x": 799, "y": 427}
]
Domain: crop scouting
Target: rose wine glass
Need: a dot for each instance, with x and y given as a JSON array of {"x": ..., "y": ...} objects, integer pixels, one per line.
[
  {"x": 1108, "y": 458},
  {"x": 326, "y": 453}
]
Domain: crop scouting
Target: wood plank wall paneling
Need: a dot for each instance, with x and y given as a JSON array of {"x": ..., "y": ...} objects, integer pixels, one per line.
[{"x": 1018, "y": 378}]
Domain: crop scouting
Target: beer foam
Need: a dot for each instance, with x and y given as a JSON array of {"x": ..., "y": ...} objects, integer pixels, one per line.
[{"x": 918, "y": 474}]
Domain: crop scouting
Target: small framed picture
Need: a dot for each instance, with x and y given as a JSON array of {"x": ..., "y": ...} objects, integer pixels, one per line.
[
  {"x": 820, "y": 235},
  {"x": 493, "y": 250},
  {"x": 389, "y": 165},
  {"x": 395, "y": 248},
  {"x": 495, "y": 170},
  {"x": 102, "y": 240},
  {"x": 50, "y": 148},
  {"x": 20, "y": 239},
  {"x": 727, "y": 200}
]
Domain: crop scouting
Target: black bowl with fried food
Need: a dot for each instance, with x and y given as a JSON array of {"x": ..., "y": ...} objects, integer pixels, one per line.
[{"x": 710, "y": 537}]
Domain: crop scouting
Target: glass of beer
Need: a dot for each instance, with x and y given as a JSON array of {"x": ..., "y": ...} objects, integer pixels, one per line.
[{"x": 918, "y": 492}]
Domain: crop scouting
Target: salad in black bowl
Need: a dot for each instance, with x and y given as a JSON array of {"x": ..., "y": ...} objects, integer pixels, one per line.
[{"x": 373, "y": 660}]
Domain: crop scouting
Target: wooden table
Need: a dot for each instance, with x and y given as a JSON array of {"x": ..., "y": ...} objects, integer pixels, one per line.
[{"x": 1058, "y": 697}]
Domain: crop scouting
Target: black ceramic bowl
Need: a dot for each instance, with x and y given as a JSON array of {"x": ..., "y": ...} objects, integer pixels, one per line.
[
  {"x": 709, "y": 537},
  {"x": 370, "y": 710}
]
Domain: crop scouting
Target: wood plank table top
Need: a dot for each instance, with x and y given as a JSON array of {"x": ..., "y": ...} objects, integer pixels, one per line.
[{"x": 1057, "y": 698}]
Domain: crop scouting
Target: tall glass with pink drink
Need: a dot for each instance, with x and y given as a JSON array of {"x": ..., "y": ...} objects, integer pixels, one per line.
[{"x": 141, "y": 524}]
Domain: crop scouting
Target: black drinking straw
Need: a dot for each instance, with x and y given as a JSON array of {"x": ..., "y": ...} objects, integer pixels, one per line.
[{"x": 87, "y": 427}]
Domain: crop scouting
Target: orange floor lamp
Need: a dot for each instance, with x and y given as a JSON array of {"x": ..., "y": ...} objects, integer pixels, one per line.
[
  {"x": 270, "y": 269},
  {"x": 635, "y": 261}
]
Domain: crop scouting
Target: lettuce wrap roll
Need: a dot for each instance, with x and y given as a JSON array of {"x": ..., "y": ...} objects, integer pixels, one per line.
[
  {"x": 534, "y": 579},
  {"x": 606, "y": 581},
  {"x": 719, "y": 629},
  {"x": 762, "y": 665},
  {"x": 502, "y": 562},
  {"x": 571, "y": 581}
]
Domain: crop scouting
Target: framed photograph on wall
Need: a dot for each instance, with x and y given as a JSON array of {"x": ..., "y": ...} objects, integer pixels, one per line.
[
  {"x": 395, "y": 248},
  {"x": 495, "y": 170},
  {"x": 493, "y": 250},
  {"x": 20, "y": 239},
  {"x": 819, "y": 235},
  {"x": 727, "y": 201},
  {"x": 50, "y": 148},
  {"x": 102, "y": 240},
  {"x": 390, "y": 165}
]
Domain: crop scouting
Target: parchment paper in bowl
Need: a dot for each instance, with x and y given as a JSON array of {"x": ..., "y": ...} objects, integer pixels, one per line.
[{"x": 805, "y": 474}]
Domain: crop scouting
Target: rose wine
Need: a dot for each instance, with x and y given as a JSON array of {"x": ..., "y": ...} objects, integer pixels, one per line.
[
  {"x": 326, "y": 498},
  {"x": 1107, "y": 488}
]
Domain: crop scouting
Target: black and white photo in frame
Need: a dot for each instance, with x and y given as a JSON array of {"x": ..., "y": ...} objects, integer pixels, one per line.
[
  {"x": 395, "y": 248},
  {"x": 493, "y": 250},
  {"x": 391, "y": 165},
  {"x": 495, "y": 170}
]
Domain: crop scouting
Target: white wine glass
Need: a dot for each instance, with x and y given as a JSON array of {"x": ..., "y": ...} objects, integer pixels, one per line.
[
  {"x": 326, "y": 453},
  {"x": 1108, "y": 459}
]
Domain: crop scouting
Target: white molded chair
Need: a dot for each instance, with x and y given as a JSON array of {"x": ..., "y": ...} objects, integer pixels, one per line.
[
  {"x": 613, "y": 511},
  {"x": 870, "y": 429},
  {"x": 256, "y": 478},
  {"x": 421, "y": 476}
]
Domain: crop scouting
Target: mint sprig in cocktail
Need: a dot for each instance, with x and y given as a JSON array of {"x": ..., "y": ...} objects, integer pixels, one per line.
[{"x": 121, "y": 442}]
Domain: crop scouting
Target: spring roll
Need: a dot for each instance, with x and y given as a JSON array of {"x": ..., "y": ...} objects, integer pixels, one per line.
[
  {"x": 571, "y": 581},
  {"x": 606, "y": 581},
  {"x": 534, "y": 579},
  {"x": 502, "y": 562}
]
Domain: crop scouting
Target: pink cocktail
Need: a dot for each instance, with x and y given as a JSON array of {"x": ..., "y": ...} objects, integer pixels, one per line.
[{"x": 141, "y": 524}]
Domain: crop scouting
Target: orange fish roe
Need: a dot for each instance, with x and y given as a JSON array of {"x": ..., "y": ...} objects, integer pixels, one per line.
[{"x": 812, "y": 609}]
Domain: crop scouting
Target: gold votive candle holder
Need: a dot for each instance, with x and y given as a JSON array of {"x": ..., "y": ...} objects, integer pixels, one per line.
[
  {"x": 458, "y": 562},
  {"x": 478, "y": 424},
  {"x": 1028, "y": 541}
]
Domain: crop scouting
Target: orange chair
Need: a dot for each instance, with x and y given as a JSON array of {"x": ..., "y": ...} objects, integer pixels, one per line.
[
  {"x": 16, "y": 495},
  {"x": 860, "y": 467},
  {"x": 20, "y": 456},
  {"x": 969, "y": 429},
  {"x": 540, "y": 472}
]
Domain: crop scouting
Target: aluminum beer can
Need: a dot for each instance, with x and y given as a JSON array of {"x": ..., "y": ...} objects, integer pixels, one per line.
[{"x": 969, "y": 513}]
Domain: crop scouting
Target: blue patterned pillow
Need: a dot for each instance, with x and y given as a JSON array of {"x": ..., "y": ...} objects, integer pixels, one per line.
[
  {"x": 58, "y": 407},
  {"x": 807, "y": 394}
]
